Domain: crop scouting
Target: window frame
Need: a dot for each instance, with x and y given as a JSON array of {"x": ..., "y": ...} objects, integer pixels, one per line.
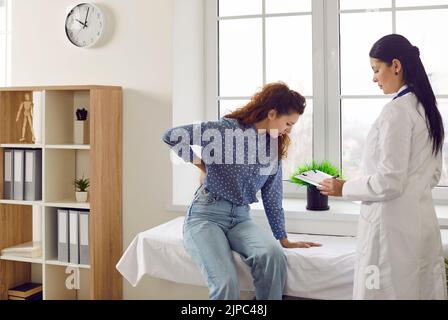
[{"x": 327, "y": 97}]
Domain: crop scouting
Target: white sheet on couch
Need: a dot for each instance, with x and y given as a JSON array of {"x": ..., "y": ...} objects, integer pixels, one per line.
[
  {"x": 318, "y": 273},
  {"x": 322, "y": 272}
]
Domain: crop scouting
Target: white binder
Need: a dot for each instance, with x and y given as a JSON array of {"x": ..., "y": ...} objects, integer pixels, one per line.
[
  {"x": 63, "y": 244},
  {"x": 33, "y": 174},
  {"x": 84, "y": 257},
  {"x": 19, "y": 172},
  {"x": 73, "y": 236},
  {"x": 8, "y": 172}
]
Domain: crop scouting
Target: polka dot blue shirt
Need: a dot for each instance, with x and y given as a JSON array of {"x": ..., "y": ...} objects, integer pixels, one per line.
[{"x": 236, "y": 181}]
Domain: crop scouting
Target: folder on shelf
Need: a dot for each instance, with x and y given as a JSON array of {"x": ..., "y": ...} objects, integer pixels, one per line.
[
  {"x": 8, "y": 172},
  {"x": 33, "y": 174},
  {"x": 19, "y": 170},
  {"x": 63, "y": 232},
  {"x": 84, "y": 257},
  {"x": 28, "y": 250},
  {"x": 73, "y": 236}
]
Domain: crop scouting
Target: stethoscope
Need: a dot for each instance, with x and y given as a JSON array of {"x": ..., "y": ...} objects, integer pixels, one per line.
[{"x": 402, "y": 93}]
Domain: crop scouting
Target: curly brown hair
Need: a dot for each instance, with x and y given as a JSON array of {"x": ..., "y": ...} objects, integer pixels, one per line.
[{"x": 275, "y": 96}]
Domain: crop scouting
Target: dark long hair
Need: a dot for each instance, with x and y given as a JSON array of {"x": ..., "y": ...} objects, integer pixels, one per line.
[
  {"x": 395, "y": 46},
  {"x": 276, "y": 96}
]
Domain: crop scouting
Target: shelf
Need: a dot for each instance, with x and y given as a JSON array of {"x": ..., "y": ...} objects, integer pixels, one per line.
[
  {"x": 68, "y": 203},
  {"x": 68, "y": 146},
  {"x": 60, "y": 88},
  {"x": 21, "y": 145},
  {"x": 65, "y": 157},
  {"x": 66, "y": 264},
  {"x": 21, "y": 259},
  {"x": 61, "y": 168},
  {"x": 55, "y": 283},
  {"x": 21, "y": 202},
  {"x": 60, "y": 117}
]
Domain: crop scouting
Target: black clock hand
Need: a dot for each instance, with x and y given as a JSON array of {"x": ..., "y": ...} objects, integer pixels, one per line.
[
  {"x": 80, "y": 22},
  {"x": 85, "y": 22}
]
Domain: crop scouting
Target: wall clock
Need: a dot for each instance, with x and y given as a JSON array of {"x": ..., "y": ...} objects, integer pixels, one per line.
[{"x": 84, "y": 25}]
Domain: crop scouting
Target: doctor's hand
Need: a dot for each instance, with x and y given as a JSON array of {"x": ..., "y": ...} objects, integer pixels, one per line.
[
  {"x": 331, "y": 187},
  {"x": 299, "y": 244}
]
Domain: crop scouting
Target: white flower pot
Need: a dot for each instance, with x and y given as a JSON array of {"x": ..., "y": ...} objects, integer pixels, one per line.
[
  {"x": 81, "y": 196},
  {"x": 80, "y": 133}
]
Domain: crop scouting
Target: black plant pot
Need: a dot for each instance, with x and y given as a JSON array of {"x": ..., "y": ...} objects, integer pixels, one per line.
[{"x": 315, "y": 200}]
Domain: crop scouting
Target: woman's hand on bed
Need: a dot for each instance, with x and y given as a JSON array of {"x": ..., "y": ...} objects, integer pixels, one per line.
[{"x": 298, "y": 244}]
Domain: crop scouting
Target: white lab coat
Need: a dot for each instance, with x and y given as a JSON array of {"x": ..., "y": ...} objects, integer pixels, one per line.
[{"x": 398, "y": 241}]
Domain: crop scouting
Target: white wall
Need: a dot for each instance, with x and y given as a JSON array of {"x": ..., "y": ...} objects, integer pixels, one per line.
[
  {"x": 188, "y": 86},
  {"x": 137, "y": 56}
]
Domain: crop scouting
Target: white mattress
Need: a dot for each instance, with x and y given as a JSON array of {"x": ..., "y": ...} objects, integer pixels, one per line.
[{"x": 318, "y": 273}]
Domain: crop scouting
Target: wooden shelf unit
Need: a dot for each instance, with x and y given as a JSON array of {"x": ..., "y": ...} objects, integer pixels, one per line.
[{"x": 62, "y": 161}]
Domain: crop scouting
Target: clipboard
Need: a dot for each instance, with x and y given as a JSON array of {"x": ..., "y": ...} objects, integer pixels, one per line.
[{"x": 314, "y": 177}]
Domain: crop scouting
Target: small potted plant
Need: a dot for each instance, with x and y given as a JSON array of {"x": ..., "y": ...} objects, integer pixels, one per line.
[
  {"x": 81, "y": 189},
  {"x": 315, "y": 200},
  {"x": 80, "y": 127}
]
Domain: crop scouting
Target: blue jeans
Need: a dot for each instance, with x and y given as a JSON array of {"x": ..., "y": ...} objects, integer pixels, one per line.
[{"x": 213, "y": 228}]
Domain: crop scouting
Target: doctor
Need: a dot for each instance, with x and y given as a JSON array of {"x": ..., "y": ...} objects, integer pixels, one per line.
[{"x": 399, "y": 250}]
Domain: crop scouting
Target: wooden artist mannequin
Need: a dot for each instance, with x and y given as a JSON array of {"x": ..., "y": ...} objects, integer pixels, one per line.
[{"x": 28, "y": 108}]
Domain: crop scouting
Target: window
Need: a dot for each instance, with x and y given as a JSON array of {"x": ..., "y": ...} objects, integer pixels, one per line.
[
  {"x": 259, "y": 42},
  {"x": 361, "y": 101},
  {"x": 316, "y": 47}
]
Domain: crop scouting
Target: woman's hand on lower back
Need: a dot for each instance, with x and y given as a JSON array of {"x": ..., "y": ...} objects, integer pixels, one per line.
[
  {"x": 202, "y": 177},
  {"x": 298, "y": 244},
  {"x": 202, "y": 170}
]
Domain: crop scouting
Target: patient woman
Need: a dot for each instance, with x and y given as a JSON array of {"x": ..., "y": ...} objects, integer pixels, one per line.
[{"x": 218, "y": 220}]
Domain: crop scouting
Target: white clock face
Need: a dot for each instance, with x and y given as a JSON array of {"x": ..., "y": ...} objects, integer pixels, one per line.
[{"x": 84, "y": 25}]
